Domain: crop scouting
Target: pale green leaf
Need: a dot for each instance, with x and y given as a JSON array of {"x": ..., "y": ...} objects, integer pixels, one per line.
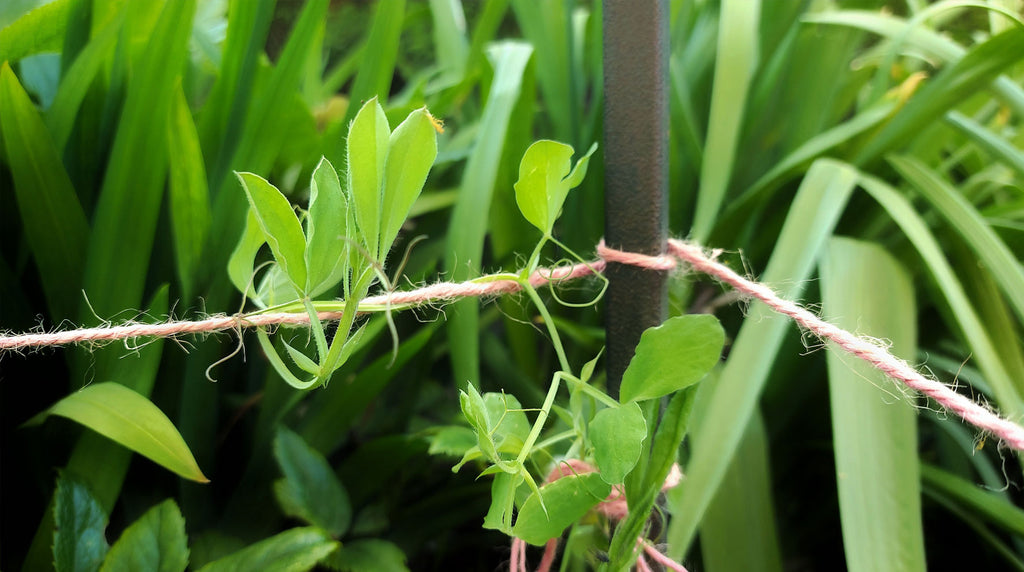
[
  {"x": 367, "y": 146},
  {"x": 240, "y": 265},
  {"x": 280, "y": 226},
  {"x": 545, "y": 181},
  {"x": 411, "y": 153},
  {"x": 130, "y": 419},
  {"x": 672, "y": 356},
  {"x": 617, "y": 434},
  {"x": 325, "y": 230},
  {"x": 566, "y": 500},
  {"x": 189, "y": 197}
]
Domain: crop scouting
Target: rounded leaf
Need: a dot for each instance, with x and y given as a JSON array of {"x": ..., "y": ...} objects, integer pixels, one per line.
[{"x": 672, "y": 356}]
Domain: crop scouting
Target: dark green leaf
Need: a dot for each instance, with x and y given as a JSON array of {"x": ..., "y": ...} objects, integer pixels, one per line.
[
  {"x": 617, "y": 434},
  {"x": 295, "y": 550},
  {"x": 672, "y": 356},
  {"x": 79, "y": 521},
  {"x": 310, "y": 490},
  {"x": 130, "y": 419},
  {"x": 368, "y": 555},
  {"x": 566, "y": 499},
  {"x": 156, "y": 542}
]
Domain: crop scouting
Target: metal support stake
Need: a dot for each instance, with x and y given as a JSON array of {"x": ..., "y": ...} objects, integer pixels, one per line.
[{"x": 636, "y": 52}]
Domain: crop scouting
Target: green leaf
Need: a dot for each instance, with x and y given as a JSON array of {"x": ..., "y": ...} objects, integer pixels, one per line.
[
  {"x": 368, "y": 555},
  {"x": 240, "y": 265},
  {"x": 189, "y": 198},
  {"x": 874, "y": 432},
  {"x": 411, "y": 153},
  {"x": 54, "y": 223},
  {"x": 367, "y": 145},
  {"x": 617, "y": 434},
  {"x": 503, "y": 498},
  {"x": 508, "y": 425},
  {"x": 544, "y": 181},
  {"x": 124, "y": 416},
  {"x": 454, "y": 441},
  {"x": 310, "y": 491},
  {"x": 672, "y": 356},
  {"x": 79, "y": 522},
  {"x": 325, "y": 230},
  {"x": 41, "y": 30},
  {"x": 295, "y": 550},
  {"x": 566, "y": 499},
  {"x": 280, "y": 226},
  {"x": 992, "y": 252},
  {"x": 983, "y": 503},
  {"x": 156, "y": 542}
]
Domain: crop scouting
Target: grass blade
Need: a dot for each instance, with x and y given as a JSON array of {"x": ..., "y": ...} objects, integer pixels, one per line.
[
  {"x": 734, "y": 69},
  {"x": 468, "y": 223},
  {"x": 875, "y": 433},
  {"x": 41, "y": 30},
  {"x": 52, "y": 218},
  {"x": 189, "y": 197},
  {"x": 811, "y": 218}
]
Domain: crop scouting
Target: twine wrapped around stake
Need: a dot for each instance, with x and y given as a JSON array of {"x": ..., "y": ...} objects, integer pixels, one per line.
[{"x": 693, "y": 255}]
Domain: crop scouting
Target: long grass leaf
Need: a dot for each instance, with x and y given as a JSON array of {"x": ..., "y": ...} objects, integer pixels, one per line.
[
  {"x": 41, "y": 30},
  {"x": 52, "y": 218},
  {"x": 973, "y": 498},
  {"x": 468, "y": 225},
  {"x": 1008, "y": 392},
  {"x": 734, "y": 69},
  {"x": 998, "y": 147},
  {"x": 981, "y": 65},
  {"x": 865, "y": 289},
  {"x": 738, "y": 530},
  {"x": 810, "y": 220},
  {"x": 189, "y": 199},
  {"x": 990, "y": 250}
]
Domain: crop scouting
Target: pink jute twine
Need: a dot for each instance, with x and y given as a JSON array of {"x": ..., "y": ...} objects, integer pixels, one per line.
[{"x": 878, "y": 356}]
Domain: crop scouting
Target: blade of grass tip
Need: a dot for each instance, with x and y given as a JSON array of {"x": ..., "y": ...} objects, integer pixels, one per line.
[
  {"x": 931, "y": 42},
  {"x": 990, "y": 250},
  {"x": 979, "y": 67},
  {"x": 375, "y": 72},
  {"x": 1008, "y": 392},
  {"x": 983, "y": 504},
  {"x": 226, "y": 110},
  {"x": 450, "y": 43},
  {"x": 736, "y": 61},
  {"x": 189, "y": 196},
  {"x": 468, "y": 225},
  {"x": 547, "y": 26},
  {"x": 815, "y": 209},
  {"x": 998, "y": 147},
  {"x": 53, "y": 221},
  {"x": 874, "y": 430},
  {"x": 738, "y": 530},
  {"x": 41, "y": 30},
  {"x": 75, "y": 82}
]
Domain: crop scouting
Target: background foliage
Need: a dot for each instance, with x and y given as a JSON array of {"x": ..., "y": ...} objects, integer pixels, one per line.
[{"x": 864, "y": 156}]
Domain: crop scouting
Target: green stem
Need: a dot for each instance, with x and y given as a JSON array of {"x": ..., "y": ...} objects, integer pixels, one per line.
[{"x": 541, "y": 418}]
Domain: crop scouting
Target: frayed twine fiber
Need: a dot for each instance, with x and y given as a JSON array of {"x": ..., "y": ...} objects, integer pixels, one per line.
[{"x": 677, "y": 250}]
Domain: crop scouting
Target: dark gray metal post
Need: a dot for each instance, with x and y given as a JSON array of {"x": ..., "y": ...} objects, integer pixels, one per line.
[{"x": 636, "y": 51}]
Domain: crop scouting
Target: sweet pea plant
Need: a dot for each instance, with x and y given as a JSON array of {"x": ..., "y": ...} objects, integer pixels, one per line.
[{"x": 349, "y": 230}]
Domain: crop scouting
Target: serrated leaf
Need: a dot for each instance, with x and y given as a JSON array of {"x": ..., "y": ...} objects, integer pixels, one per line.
[
  {"x": 295, "y": 550},
  {"x": 280, "y": 226},
  {"x": 79, "y": 521},
  {"x": 155, "y": 542},
  {"x": 617, "y": 434},
  {"x": 545, "y": 181},
  {"x": 411, "y": 153},
  {"x": 128, "y": 418},
  {"x": 672, "y": 356},
  {"x": 368, "y": 141},
  {"x": 313, "y": 492},
  {"x": 368, "y": 555},
  {"x": 326, "y": 261},
  {"x": 566, "y": 499}
]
